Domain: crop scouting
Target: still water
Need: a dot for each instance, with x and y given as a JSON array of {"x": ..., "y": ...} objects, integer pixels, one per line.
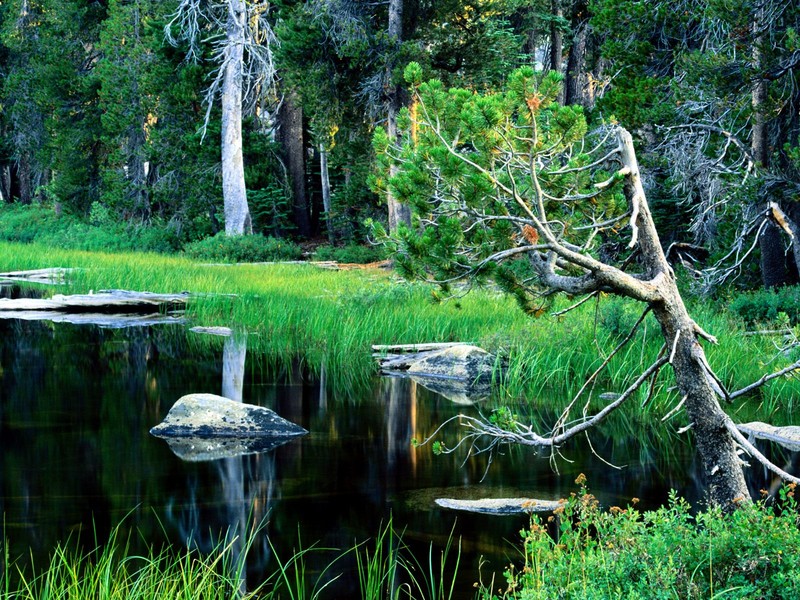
[{"x": 76, "y": 456}]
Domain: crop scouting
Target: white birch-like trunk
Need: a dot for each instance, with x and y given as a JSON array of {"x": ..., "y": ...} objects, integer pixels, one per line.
[
  {"x": 325, "y": 182},
  {"x": 234, "y": 194}
]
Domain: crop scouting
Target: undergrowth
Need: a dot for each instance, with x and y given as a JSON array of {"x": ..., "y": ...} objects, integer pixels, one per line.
[{"x": 584, "y": 551}]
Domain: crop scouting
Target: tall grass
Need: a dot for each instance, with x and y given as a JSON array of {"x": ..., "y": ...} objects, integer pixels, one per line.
[
  {"x": 385, "y": 567},
  {"x": 332, "y": 318},
  {"x": 111, "y": 572}
]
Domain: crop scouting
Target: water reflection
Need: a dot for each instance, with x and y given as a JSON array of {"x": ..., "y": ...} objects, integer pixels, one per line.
[{"x": 77, "y": 403}]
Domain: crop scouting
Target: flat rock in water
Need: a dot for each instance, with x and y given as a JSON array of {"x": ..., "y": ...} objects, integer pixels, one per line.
[
  {"x": 210, "y": 416},
  {"x": 787, "y": 436},
  {"x": 500, "y": 506}
]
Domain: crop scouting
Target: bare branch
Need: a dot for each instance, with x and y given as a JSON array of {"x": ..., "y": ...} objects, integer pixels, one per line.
[{"x": 765, "y": 379}]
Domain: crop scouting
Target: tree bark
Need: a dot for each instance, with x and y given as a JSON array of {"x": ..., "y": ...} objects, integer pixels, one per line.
[
  {"x": 292, "y": 139},
  {"x": 576, "y": 66},
  {"x": 715, "y": 446},
  {"x": 234, "y": 193},
  {"x": 398, "y": 213}
]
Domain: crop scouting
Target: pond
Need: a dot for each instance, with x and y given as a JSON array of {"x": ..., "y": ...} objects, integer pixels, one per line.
[{"x": 76, "y": 456}]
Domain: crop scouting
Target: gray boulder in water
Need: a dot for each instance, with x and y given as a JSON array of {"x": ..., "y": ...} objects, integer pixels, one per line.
[{"x": 211, "y": 416}]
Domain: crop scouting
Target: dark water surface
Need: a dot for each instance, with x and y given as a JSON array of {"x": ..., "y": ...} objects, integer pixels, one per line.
[{"x": 77, "y": 403}]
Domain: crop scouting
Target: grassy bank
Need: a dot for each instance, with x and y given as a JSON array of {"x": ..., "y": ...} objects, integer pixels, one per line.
[
  {"x": 582, "y": 551},
  {"x": 333, "y": 317}
]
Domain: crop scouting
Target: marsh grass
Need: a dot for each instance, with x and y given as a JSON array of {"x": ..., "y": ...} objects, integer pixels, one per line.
[
  {"x": 386, "y": 569},
  {"x": 111, "y": 572},
  {"x": 332, "y": 318}
]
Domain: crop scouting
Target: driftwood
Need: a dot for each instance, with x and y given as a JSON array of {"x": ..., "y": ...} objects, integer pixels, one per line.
[
  {"x": 403, "y": 348},
  {"x": 46, "y": 276},
  {"x": 788, "y": 436},
  {"x": 106, "y": 321},
  {"x": 219, "y": 331},
  {"x": 500, "y": 506},
  {"x": 107, "y": 301}
]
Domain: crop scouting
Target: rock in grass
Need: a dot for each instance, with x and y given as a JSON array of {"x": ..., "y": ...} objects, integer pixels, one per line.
[
  {"x": 463, "y": 362},
  {"x": 208, "y": 416},
  {"x": 500, "y": 506}
]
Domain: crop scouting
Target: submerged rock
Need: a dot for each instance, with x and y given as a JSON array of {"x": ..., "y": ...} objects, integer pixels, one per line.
[
  {"x": 198, "y": 449},
  {"x": 500, "y": 506},
  {"x": 788, "y": 436},
  {"x": 209, "y": 416}
]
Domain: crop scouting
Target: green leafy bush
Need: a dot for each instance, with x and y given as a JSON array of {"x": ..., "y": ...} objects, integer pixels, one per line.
[
  {"x": 243, "y": 248},
  {"x": 765, "y": 306},
  {"x": 665, "y": 553},
  {"x": 352, "y": 253}
]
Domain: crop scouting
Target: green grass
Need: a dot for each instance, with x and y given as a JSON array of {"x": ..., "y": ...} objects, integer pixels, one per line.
[
  {"x": 582, "y": 551},
  {"x": 332, "y": 318},
  {"x": 385, "y": 568}
]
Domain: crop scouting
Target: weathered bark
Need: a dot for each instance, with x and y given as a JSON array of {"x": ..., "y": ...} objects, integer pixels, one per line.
[
  {"x": 292, "y": 139},
  {"x": 398, "y": 212},
  {"x": 234, "y": 194},
  {"x": 773, "y": 257},
  {"x": 325, "y": 183},
  {"x": 715, "y": 445}
]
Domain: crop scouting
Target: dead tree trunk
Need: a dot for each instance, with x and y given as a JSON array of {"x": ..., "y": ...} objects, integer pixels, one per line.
[
  {"x": 234, "y": 194},
  {"x": 325, "y": 183},
  {"x": 715, "y": 445}
]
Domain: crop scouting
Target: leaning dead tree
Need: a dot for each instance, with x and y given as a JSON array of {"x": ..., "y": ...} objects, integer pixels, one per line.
[
  {"x": 241, "y": 41},
  {"x": 514, "y": 176}
]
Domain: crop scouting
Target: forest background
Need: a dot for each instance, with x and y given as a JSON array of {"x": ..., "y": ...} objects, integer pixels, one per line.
[{"x": 111, "y": 114}]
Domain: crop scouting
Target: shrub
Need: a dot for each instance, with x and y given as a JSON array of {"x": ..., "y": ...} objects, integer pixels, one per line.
[
  {"x": 665, "y": 553},
  {"x": 352, "y": 253},
  {"x": 243, "y": 248},
  {"x": 764, "y": 306}
]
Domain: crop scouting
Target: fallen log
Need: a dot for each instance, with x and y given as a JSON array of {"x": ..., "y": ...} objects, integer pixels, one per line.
[
  {"x": 115, "y": 301},
  {"x": 500, "y": 506},
  {"x": 49, "y": 276},
  {"x": 402, "y": 348},
  {"x": 787, "y": 436},
  {"x": 104, "y": 321}
]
